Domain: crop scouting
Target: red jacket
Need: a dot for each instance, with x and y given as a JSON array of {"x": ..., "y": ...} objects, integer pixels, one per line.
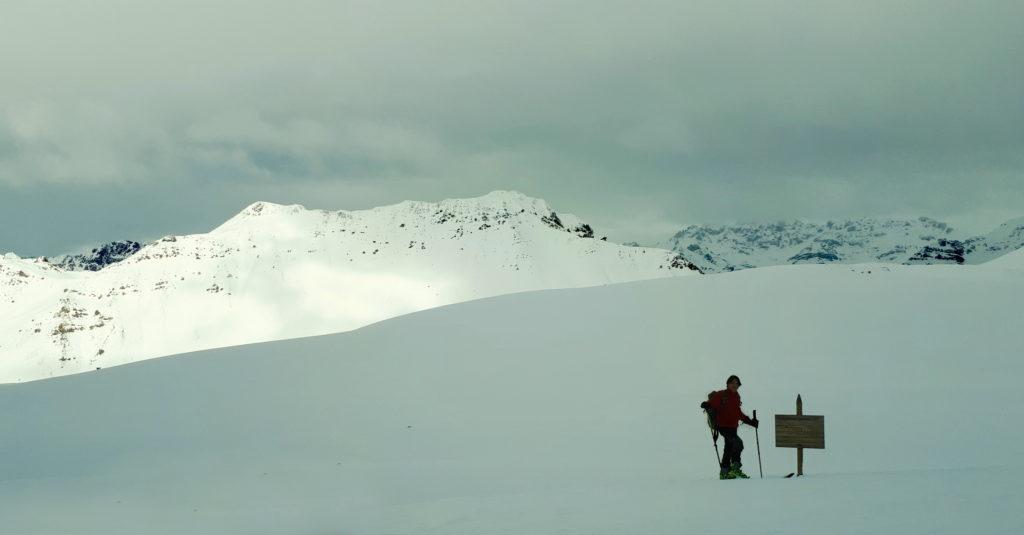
[{"x": 727, "y": 408}]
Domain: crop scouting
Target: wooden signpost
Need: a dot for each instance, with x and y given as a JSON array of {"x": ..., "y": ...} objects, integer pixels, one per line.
[{"x": 799, "y": 432}]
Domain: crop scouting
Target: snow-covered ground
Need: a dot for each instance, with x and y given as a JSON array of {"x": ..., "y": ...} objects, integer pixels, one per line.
[
  {"x": 274, "y": 272},
  {"x": 560, "y": 411}
]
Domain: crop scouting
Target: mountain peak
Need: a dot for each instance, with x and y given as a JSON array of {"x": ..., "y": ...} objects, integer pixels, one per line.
[
  {"x": 262, "y": 208},
  {"x": 501, "y": 203},
  {"x": 493, "y": 199}
]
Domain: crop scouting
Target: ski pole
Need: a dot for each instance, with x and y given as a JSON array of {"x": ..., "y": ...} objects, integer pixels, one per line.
[
  {"x": 717, "y": 456},
  {"x": 714, "y": 438},
  {"x": 758, "y": 439}
]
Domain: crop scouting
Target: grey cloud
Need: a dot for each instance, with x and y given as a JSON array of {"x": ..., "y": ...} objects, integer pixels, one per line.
[
  {"x": 659, "y": 134},
  {"x": 636, "y": 115}
]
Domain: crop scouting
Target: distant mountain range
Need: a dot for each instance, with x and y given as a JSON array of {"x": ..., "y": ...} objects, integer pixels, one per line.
[
  {"x": 715, "y": 249},
  {"x": 275, "y": 272},
  {"x": 900, "y": 241}
]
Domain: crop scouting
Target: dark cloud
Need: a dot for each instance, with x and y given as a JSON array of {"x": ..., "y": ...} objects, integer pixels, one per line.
[{"x": 118, "y": 118}]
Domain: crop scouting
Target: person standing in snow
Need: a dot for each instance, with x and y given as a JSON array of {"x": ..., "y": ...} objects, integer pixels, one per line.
[{"x": 724, "y": 408}]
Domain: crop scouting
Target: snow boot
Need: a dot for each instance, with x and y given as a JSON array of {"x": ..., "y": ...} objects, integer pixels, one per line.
[
  {"x": 736, "y": 471},
  {"x": 726, "y": 474}
]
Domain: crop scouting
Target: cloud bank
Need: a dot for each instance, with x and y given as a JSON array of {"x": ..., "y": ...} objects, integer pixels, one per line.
[{"x": 119, "y": 117}]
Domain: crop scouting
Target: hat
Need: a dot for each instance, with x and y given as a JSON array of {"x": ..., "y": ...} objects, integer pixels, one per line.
[{"x": 733, "y": 378}]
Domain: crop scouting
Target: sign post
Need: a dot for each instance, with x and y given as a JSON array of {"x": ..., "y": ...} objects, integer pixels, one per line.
[{"x": 799, "y": 432}]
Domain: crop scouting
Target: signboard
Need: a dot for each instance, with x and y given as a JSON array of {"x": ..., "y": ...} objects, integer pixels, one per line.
[{"x": 799, "y": 431}]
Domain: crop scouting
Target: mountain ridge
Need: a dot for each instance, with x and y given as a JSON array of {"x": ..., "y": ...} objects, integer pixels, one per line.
[
  {"x": 282, "y": 271},
  {"x": 718, "y": 248}
]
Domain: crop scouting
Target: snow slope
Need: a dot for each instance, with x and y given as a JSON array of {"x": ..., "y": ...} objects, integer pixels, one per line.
[
  {"x": 901, "y": 241},
  {"x": 561, "y": 411},
  {"x": 1011, "y": 260},
  {"x": 274, "y": 272}
]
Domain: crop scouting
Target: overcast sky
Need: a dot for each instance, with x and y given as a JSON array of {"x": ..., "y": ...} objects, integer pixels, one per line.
[{"x": 134, "y": 119}]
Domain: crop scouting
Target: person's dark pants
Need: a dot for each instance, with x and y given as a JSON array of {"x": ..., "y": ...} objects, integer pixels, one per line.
[{"x": 733, "y": 447}]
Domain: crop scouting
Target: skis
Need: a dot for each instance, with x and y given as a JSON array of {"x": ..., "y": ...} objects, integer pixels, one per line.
[{"x": 787, "y": 476}]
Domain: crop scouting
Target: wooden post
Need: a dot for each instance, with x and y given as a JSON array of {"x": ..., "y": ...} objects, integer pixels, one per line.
[{"x": 799, "y": 451}]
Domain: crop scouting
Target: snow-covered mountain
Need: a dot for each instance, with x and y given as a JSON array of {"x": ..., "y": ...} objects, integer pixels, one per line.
[
  {"x": 564, "y": 411},
  {"x": 99, "y": 258},
  {"x": 274, "y": 272},
  {"x": 899, "y": 241}
]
